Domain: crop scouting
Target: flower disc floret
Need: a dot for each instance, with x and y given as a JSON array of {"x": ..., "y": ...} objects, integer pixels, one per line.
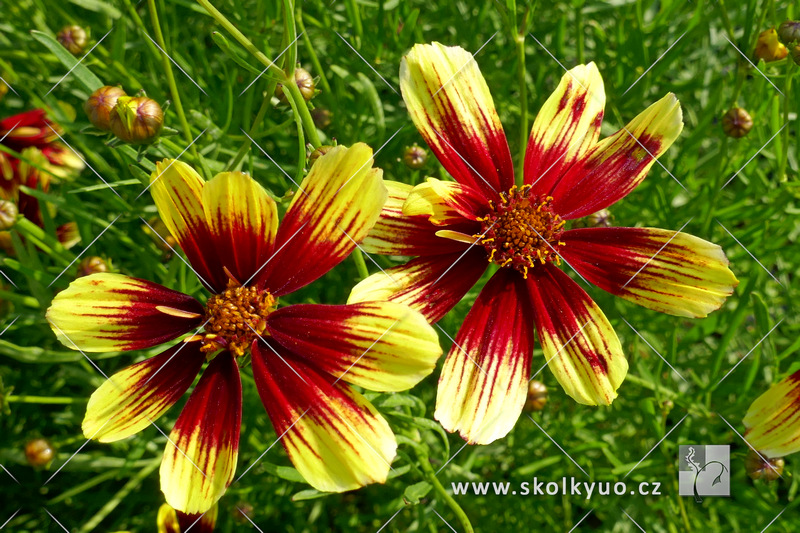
[{"x": 236, "y": 317}]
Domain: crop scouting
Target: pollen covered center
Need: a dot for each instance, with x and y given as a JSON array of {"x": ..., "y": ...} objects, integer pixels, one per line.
[
  {"x": 236, "y": 317},
  {"x": 522, "y": 231}
]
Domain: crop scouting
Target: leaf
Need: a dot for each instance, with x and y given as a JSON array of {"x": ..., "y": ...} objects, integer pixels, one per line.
[
  {"x": 309, "y": 494},
  {"x": 84, "y": 75},
  {"x": 414, "y": 493}
]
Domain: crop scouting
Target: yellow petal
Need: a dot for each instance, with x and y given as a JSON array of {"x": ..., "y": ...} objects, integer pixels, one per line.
[{"x": 773, "y": 420}]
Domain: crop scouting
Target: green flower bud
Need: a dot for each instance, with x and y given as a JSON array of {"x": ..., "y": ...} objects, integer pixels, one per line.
[
  {"x": 8, "y": 214},
  {"x": 759, "y": 467},
  {"x": 789, "y": 32},
  {"x": 304, "y": 82},
  {"x": 737, "y": 122},
  {"x": 415, "y": 157},
  {"x": 137, "y": 120},
  {"x": 600, "y": 219},
  {"x": 537, "y": 397},
  {"x": 73, "y": 38},
  {"x": 100, "y": 105}
]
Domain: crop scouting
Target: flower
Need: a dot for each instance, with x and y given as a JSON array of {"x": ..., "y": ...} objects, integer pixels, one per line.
[
  {"x": 458, "y": 228},
  {"x": 303, "y": 355},
  {"x": 171, "y": 521},
  {"x": 773, "y": 420},
  {"x": 769, "y": 48}
]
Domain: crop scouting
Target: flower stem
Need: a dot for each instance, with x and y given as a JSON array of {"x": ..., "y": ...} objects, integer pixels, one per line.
[
  {"x": 361, "y": 265},
  {"x": 787, "y": 106},
  {"x": 430, "y": 476},
  {"x": 43, "y": 399}
]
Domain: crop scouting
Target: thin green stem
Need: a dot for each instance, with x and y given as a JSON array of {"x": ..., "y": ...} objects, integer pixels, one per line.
[
  {"x": 312, "y": 54},
  {"x": 21, "y": 398},
  {"x": 361, "y": 265},
  {"x": 430, "y": 477},
  {"x": 787, "y": 106},
  {"x": 523, "y": 101}
]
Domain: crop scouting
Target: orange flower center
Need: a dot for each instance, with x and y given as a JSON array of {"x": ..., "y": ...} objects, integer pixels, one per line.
[
  {"x": 236, "y": 317},
  {"x": 522, "y": 230}
]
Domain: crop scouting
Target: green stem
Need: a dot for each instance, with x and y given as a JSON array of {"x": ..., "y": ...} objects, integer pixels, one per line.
[
  {"x": 256, "y": 123},
  {"x": 523, "y": 99},
  {"x": 43, "y": 399},
  {"x": 361, "y": 265},
  {"x": 787, "y": 106},
  {"x": 430, "y": 476},
  {"x": 312, "y": 54}
]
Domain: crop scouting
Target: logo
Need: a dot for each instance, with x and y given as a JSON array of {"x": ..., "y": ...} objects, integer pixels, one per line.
[{"x": 704, "y": 471}]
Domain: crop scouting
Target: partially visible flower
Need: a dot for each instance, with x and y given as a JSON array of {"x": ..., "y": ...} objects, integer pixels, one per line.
[
  {"x": 773, "y": 420},
  {"x": 303, "y": 356},
  {"x": 73, "y": 38},
  {"x": 415, "y": 157},
  {"x": 456, "y": 229},
  {"x": 100, "y": 105},
  {"x": 737, "y": 122},
  {"x": 171, "y": 521},
  {"x": 92, "y": 265},
  {"x": 136, "y": 119},
  {"x": 769, "y": 48},
  {"x": 759, "y": 467},
  {"x": 789, "y": 32},
  {"x": 537, "y": 396},
  {"x": 8, "y": 214},
  {"x": 39, "y": 452}
]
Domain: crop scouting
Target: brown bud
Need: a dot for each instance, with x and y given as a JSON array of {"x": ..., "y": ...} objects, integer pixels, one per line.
[
  {"x": 319, "y": 152},
  {"x": 789, "y": 32},
  {"x": 137, "y": 120},
  {"x": 8, "y": 214},
  {"x": 321, "y": 117},
  {"x": 92, "y": 265},
  {"x": 600, "y": 219},
  {"x": 768, "y": 47},
  {"x": 736, "y": 122},
  {"x": 100, "y": 105},
  {"x": 73, "y": 38},
  {"x": 537, "y": 396},
  {"x": 304, "y": 82},
  {"x": 415, "y": 157},
  {"x": 760, "y": 467},
  {"x": 39, "y": 452}
]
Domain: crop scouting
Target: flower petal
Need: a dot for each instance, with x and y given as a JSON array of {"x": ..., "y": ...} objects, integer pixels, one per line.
[
  {"x": 397, "y": 234},
  {"x": 432, "y": 285},
  {"x": 618, "y": 164},
  {"x": 137, "y": 395},
  {"x": 484, "y": 381},
  {"x": 200, "y": 457},
  {"x": 335, "y": 438},
  {"x": 451, "y": 105},
  {"x": 242, "y": 220},
  {"x": 667, "y": 271},
  {"x": 178, "y": 193},
  {"x": 579, "y": 344},
  {"x": 773, "y": 420},
  {"x": 444, "y": 202},
  {"x": 565, "y": 128},
  {"x": 381, "y": 346},
  {"x": 337, "y": 204},
  {"x": 106, "y": 312}
]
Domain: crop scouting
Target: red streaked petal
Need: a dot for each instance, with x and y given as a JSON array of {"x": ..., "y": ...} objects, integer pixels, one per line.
[
  {"x": 484, "y": 381},
  {"x": 565, "y": 128},
  {"x": 200, "y": 458},
  {"x": 663, "y": 270},
  {"x": 106, "y": 312},
  {"x": 579, "y": 345},
  {"x": 334, "y": 437},
  {"x": 242, "y": 220},
  {"x": 445, "y": 203},
  {"x": 381, "y": 346},
  {"x": 432, "y": 285},
  {"x": 133, "y": 397},
  {"x": 451, "y": 105},
  {"x": 773, "y": 420},
  {"x": 618, "y": 164}
]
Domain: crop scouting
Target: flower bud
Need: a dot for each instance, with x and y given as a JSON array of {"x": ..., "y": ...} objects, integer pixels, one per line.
[
  {"x": 768, "y": 47},
  {"x": 759, "y": 467},
  {"x": 319, "y": 152},
  {"x": 795, "y": 53},
  {"x": 8, "y": 214},
  {"x": 415, "y": 157},
  {"x": 537, "y": 396},
  {"x": 600, "y": 219},
  {"x": 137, "y": 119},
  {"x": 304, "y": 82},
  {"x": 39, "y": 452},
  {"x": 736, "y": 122},
  {"x": 92, "y": 265},
  {"x": 789, "y": 32},
  {"x": 73, "y": 38},
  {"x": 321, "y": 117},
  {"x": 100, "y": 105}
]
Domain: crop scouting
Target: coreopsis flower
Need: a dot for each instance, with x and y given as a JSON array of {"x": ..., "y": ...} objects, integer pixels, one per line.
[
  {"x": 303, "y": 356},
  {"x": 773, "y": 420},
  {"x": 769, "y": 48},
  {"x": 171, "y": 521},
  {"x": 459, "y": 228}
]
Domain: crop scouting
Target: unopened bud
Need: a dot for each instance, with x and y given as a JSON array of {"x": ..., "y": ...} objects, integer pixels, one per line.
[
  {"x": 92, "y": 265},
  {"x": 101, "y": 104},
  {"x": 537, "y": 396},
  {"x": 795, "y": 53},
  {"x": 415, "y": 157},
  {"x": 137, "y": 119},
  {"x": 789, "y": 32},
  {"x": 600, "y": 219},
  {"x": 73, "y": 38},
  {"x": 769, "y": 48},
  {"x": 737, "y": 122},
  {"x": 319, "y": 152},
  {"x": 760, "y": 467},
  {"x": 39, "y": 452},
  {"x": 8, "y": 214},
  {"x": 321, "y": 117},
  {"x": 304, "y": 82}
]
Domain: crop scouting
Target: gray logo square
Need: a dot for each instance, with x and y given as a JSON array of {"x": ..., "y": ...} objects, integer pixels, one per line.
[{"x": 704, "y": 470}]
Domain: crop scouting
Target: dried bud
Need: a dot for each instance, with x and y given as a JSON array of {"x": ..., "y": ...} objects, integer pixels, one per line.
[
  {"x": 73, "y": 38},
  {"x": 759, "y": 467},
  {"x": 736, "y": 122},
  {"x": 600, "y": 219},
  {"x": 304, "y": 82},
  {"x": 39, "y": 452},
  {"x": 769, "y": 48},
  {"x": 100, "y": 105},
  {"x": 137, "y": 119},
  {"x": 321, "y": 117},
  {"x": 415, "y": 157},
  {"x": 789, "y": 32},
  {"x": 537, "y": 396},
  {"x": 319, "y": 152},
  {"x": 8, "y": 214},
  {"x": 92, "y": 265}
]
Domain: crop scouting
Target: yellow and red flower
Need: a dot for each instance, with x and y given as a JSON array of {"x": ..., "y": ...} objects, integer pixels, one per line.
[
  {"x": 303, "y": 355},
  {"x": 773, "y": 420},
  {"x": 458, "y": 228},
  {"x": 171, "y": 521}
]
